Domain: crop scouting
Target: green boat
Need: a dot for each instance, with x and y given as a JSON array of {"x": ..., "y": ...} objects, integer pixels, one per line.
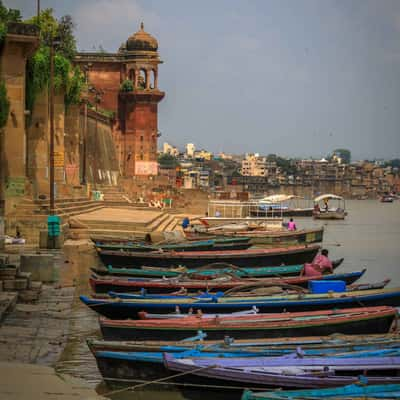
[
  {"x": 354, "y": 391},
  {"x": 215, "y": 244},
  {"x": 209, "y": 271}
]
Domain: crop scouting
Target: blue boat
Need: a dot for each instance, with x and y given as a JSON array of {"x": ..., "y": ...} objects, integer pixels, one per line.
[
  {"x": 130, "y": 365},
  {"x": 388, "y": 391},
  {"x": 118, "y": 308}
]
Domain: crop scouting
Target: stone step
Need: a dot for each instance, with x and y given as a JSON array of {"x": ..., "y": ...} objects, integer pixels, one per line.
[
  {"x": 172, "y": 226},
  {"x": 118, "y": 234},
  {"x": 162, "y": 227},
  {"x": 157, "y": 222},
  {"x": 81, "y": 208}
]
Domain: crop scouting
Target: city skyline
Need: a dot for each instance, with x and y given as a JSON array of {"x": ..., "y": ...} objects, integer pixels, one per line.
[{"x": 298, "y": 79}]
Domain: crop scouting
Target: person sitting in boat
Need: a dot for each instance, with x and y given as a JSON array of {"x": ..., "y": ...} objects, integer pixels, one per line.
[
  {"x": 326, "y": 206},
  {"x": 319, "y": 265},
  {"x": 292, "y": 225}
]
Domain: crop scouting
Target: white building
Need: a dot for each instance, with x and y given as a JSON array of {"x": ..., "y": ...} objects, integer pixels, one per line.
[
  {"x": 190, "y": 149},
  {"x": 169, "y": 149}
]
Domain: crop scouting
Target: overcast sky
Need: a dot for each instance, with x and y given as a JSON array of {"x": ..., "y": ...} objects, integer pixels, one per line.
[{"x": 292, "y": 77}]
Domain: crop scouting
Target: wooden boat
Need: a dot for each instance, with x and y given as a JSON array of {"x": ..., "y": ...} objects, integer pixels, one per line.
[
  {"x": 282, "y": 205},
  {"x": 272, "y": 222},
  {"x": 325, "y": 212},
  {"x": 240, "y": 258},
  {"x": 387, "y": 199},
  {"x": 287, "y": 371},
  {"x": 285, "y": 212},
  {"x": 355, "y": 390},
  {"x": 218, "y": 303},
  {"x": 131, "y": 365},
  {"x": 209, "y": 271},
  {"x": 276, "y": 346},
  {"x": 263, "y": 237},
  {"x": 106, "y": 284},
  {"x": 201, "y": 245},
  {"x": 366, "y": 320}
]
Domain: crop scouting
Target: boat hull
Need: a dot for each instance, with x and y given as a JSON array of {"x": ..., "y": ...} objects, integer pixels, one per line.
[
  {"x": 240, "y": 258},
  {"x": 121, "y": 309},
  {"x": 105, "y": 285},
  {"x": 117, "y": 330},
  {"x": 243, "y": 377},
  {"x": 330, "y": 215}
]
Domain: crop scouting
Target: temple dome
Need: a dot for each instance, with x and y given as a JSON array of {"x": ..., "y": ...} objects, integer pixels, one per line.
[{"x": 141, "y": 40}]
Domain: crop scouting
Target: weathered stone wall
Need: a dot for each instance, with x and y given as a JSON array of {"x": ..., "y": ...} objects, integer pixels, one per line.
[
  {"x": 107, "y": 77},
  {"x": 72, "y": 140},
  {"x": 38, "y": 145},
  {"x": 16, "y": 49},
  {"x": 101, "y": 156}
]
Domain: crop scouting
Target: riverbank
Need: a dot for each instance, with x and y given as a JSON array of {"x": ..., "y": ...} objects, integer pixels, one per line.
[
  {"x": 20, "y": 381},
  {"x": 34, "y": 335}
]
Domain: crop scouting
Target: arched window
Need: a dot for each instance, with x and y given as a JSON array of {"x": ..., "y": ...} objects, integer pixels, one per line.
[
  {"x": 153, "y": 82},
  {"x": 142, "y": 79}
]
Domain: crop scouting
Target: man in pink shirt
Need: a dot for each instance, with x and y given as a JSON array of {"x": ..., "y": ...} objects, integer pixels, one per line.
[{"x": 320, "y": 264}]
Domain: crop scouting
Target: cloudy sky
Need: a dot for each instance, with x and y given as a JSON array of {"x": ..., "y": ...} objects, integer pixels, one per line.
[{"x": 292, "y": 77}]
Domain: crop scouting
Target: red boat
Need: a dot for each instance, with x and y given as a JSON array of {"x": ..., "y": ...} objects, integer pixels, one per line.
[
  {"x": 365, "y": 320},
  {"x": 116, "y": 284}
]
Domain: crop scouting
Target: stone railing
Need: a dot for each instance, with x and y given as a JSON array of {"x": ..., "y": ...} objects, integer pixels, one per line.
[{"x": 19, "y": 28}]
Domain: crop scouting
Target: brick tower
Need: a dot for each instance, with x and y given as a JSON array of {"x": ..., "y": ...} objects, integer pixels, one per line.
[
  {"x": 135, "y": 128},
  {"x": 138, "y": 109}
]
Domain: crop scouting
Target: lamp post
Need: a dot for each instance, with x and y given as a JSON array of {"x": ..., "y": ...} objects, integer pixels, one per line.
[
  {"x": 85, "y": 124},
  {"x": 51, "y": 116}
]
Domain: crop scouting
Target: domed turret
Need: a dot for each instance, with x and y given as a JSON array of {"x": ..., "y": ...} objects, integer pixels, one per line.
[{"x": 141, "y": 41}]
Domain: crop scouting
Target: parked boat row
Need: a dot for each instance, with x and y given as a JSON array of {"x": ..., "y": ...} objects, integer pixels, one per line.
[{"x": 235, "y": 319}]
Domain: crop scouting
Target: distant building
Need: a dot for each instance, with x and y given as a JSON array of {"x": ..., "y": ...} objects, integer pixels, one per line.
[
  {"x": 169, "y": 149},
  {"x": 254, "y": 165},
  {"x": 204, "y": 154},
  {"x": 190, "y": 149}
]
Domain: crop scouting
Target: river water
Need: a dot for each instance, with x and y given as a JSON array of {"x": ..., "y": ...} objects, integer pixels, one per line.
[{"x": 368, "y": 238}]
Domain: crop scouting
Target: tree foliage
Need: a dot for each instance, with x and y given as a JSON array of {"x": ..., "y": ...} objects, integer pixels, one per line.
[
  {"x": 168, "y": 161},
  {"x": 7, "y": 15},
  {"x": 67, "y": 78},
  {"x": 127, "y": 86},
  {"x": 395, "y": 163},
  {"x": 344, "y": 154}
]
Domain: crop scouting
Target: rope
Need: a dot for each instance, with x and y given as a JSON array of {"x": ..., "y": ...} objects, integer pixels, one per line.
[
  {"x": 146, "y": 383},
  {"x": 197, "y": 385}
]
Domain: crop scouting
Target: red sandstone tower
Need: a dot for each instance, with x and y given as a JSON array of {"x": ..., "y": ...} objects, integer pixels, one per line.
[{"x": 136, "y": 110}]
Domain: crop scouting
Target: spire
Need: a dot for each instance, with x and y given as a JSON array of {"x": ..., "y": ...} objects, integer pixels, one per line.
[{"x": 142, "y": 26}]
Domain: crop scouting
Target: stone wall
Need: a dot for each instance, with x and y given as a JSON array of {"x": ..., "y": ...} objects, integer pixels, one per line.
[
  {"x": 101, "y": 156},
  {"x": 72, "y": 143},
  {"x": 19, "y": 43}
]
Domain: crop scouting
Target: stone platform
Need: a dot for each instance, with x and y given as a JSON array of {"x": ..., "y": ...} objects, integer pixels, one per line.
[{"x": 126, "y": 222}]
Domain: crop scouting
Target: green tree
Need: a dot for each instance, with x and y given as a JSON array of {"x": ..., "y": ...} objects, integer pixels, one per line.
[
  {"x": 127, "y": 86},
  {"x": 66, "y": 77},
  {"x": 344, "y": 154},
  {"x": 7, "y": 15},
  {"x": 168, "y": 161},
  {"x": 67, "y": 46}
]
